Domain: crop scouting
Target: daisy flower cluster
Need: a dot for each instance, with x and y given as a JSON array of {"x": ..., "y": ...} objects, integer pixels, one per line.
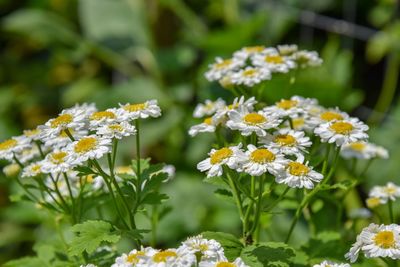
[
  {"x": 79, "y": 136},
  {"x": 383, "y": 194},
  {"x": 377, "y": 241},
  {"x": 250, "y": 66},
  {"x": 195, "y": 251},
  {"x": 277, "y": 138}
]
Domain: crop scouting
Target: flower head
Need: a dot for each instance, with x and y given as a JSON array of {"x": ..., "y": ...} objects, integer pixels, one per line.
[
  {"x": 88, "y": 147},
  {"x": 299, "y": 175},
  {"x": 139, "y": 110}
]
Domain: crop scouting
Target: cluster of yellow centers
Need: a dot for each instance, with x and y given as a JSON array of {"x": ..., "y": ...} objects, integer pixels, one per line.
[
  {"x": 254, "y": 118},
  {"x": 223, "y": 64},
  {"x": 342, "y": 127},
  {"x": 274, "y": 59},
  {"x": 285, "y": 140},
  {"x": 385, "y": 239},
  {"x": 224, "y": 264},
  {"x": 330, "y": 116},
  {"x": 135, "y": 107},
  {"x": 221, "y": 154},
  {"x": 7, "y": 144},
  {"x": 58, "y": 157},
  {"x": 358, "y": 146},
  {"x": 287, "y": 104},
  {"x": 133, "y": 257},
  {"x": 262, "y": 156},
  {"x": 298, "y": 169},
  {"x": 162, "y": 256},
  {"x": 250, "y": 72},
  {"x": 85, "y": 145},
  {"x": 100, "y": 115},
  {"x": 61, "y": 120}
]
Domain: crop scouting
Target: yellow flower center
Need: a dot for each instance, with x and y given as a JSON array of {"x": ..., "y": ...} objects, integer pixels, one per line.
[
  {"x": 221, "y": 154},
  {"x": 133, "y": 257},
  {"x": 163, "y": 255},
  {"x": 233, "y": 106},
  {"x": 287, "y": 104},
  {"x": 285, "y": 140},
  {"x": 298, "y": 122},
  {"x": 58, "y": 157},
  {"x": 64, "y": 134},
  {"x": 224, "y": 264},
  {"x": 330, "y": 116},
  {"x": 254, "y": 49},
  {"x": 208, "y": 121},
  {"x": 90, "y": 178},
  {"x": 7, "y": 144},
  {"x": 342, "y": 127},
  {"x": 385, "y": 239},
  {"x": 298, "y": 169},
  {"x": 254, "y": 118},
  {"x": 358, "y": 146},
  {"x": 31, "y": 132},
  {"x": 223, "y": 64},
  {"x": 262, "y": 155},
  {"x": 390, "y": 190},
  {"x": 250, "y": 72},
  {"x": 36, "y": 168},
  {"x": 61, "y": 120},
  {"x": 116, "y": 127},
  {"x": 373, "y": 202},
  {"x": 203, "y": 247},
  {"x": 274, "y": 59},
  {"x": 135, "y": 107},
  {"x": 102, "y": 115},
  {"x": 85, "y": 144}
]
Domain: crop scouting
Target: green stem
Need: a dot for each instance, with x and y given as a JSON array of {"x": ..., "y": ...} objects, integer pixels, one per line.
[
  {"x": 154, "y": 223},
  {"x": 325, "y": 164},
  {"x": 390, "y": 206},
  {"x": 40, "y": 149},
  {"x": 258, "y": 205},
  {"x": 277, "y": 200},
  {"x": 73, "y": 210},
  {"x": 235, "y": 193},
  {"x": 69, "y": 134},
  {"x": 58, "y": 193}
]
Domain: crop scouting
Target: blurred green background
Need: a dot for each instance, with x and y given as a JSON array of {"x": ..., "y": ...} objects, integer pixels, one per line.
[{"x": 55, "y": 53}]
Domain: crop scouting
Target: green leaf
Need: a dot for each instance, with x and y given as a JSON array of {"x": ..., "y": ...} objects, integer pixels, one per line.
[
  {"x": 84, "y": 170},
  {"x": 90, "y": 235},
  {"x": 268, "y": 254},
  {"x": 224, "y": 194},
  {"x": 232, "y": 246},
  {"x": 154, "y": 198},
  {"x": 326, "y": 244},
  {"x": 26, "y": 262}
]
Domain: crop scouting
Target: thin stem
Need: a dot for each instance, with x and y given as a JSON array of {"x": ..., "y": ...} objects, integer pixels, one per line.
[
  {"x": 278, "y": 199},
  {"x": 258, "y": 205},
  {"x": 325, "y": 165},
  {"x": 40, "y": 149},
  {"x": 154, "y": 222},
  {"x": 58, "y": 193},
  {"x": 236, "y": 194},
  {"x": 67, "y": 131},
  {"x": 72, "y": 198},
  {"x": 390, "y": 206}
]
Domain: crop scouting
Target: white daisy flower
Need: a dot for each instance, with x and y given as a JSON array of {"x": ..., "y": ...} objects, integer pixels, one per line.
[
  {"x": 331, "y": 264},
  {"x": 74, "y": 119},
  {"x": 248, "y": 122},
  {"x": 100, "y": 118},
  {"x": 389, "y": 191},
  {"x": 291, "y": 107},
  {"x": 62, "y": 139},
  {"x": 207, "y": 126},
  {"x": 246, "y": 52},
  {"x": 11, "y": 170},
  {"x": 222, "y": 67},
  {"x": 299, "y": 175},
  {"x": 56, "y": 162},
  {"x": 377, "y": 241},
  {"x": 209, "y": 249},
  {"x": 289, "y": 142},
  {"x": 85, "y": 108},
  {"x": 88, "y": 147},
  {"x": 169, "y": 258},
  {"x": 257, "y": 161},
  {"x": 373, "y": 202},
  {"x": 287, "y": 50},
  {"x": 218, "y": 158},
  {"x": 320, "y": 116},
  {"x": 208, "y": 108},
  {"x": 250, "y": 76},
  {"x": 273, "y": 61},
  {"x": 32, "y": 170},
  {"x": 132, "y": 258},
  {"x": 11, "y": 146},
  {"x": 223, "y": 263},
  {"x": 238, "y": 103},
  {"x": 96, "y": 181},
  {"x": 306, "y": 59},
  {"x": 341, "y": 132},
  {"x": 140, "y": 110},
  {"x": 116, "y": 130},
  {"x": 28, "y": 154},
  {"x": 300, "y": 122},
  {"x": 363, "y": 150},
  {"x": 33, "y": 135}
]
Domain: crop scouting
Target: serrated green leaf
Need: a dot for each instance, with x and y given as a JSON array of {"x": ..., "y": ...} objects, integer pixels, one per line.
[
  {"x": 268, "y": 254},
  {"x": 232, "y": 246},
  {"x": 224, "y": 194},
  {"x": 154, "y": 198},
  {"x": 90, "y": 235}
]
